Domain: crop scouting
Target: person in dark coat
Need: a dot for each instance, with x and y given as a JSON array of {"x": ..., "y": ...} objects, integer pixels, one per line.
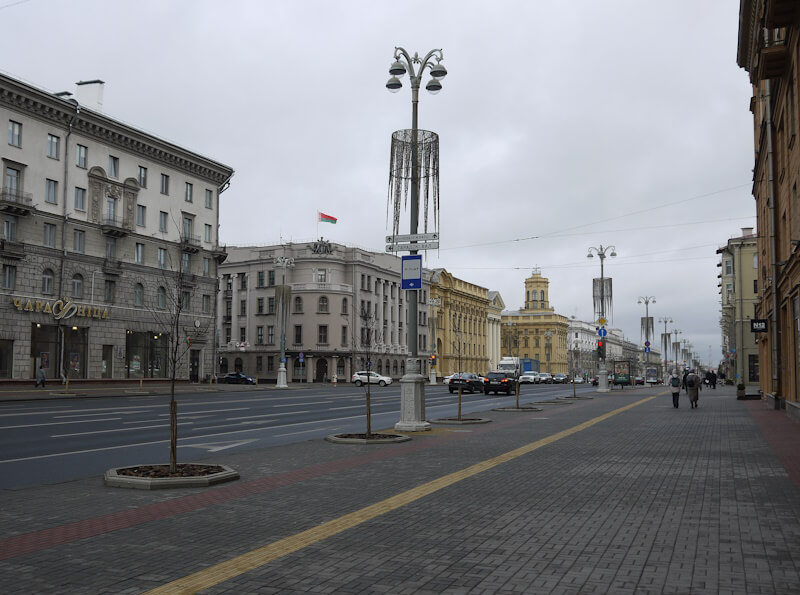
[
  {"x": 675, "y": 385},
  {"x": 41, "y": 376},
  {"x": 693, "y": 385}
]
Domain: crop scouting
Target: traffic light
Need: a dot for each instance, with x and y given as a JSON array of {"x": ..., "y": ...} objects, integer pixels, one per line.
[
  {"x": 433, "y": 360},
  {"x": 601, "y": 349}
]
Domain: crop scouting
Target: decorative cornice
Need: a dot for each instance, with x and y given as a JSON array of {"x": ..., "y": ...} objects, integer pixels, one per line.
[{"x": 60, "y": 112}]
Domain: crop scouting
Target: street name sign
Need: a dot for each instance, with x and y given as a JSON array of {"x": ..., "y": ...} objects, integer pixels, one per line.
[
  {"x": 410, "y": 247},
  {"x": 413, "y": 237}
]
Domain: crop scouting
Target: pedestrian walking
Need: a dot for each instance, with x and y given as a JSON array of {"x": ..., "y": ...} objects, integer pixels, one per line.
[
  {"x": 324, "y": 379},
  {"x": 41, "y": 376},
  {"x": 675, "y": 384},
  {"x": 713, "y": 380},
  {"x": 693, "y": 386}
]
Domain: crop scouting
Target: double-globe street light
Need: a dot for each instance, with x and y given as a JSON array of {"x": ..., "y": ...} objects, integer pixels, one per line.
[
  {"x": 646, "y": 300},
  {"x": 412, "y": 391},
  {"x": 666, "y": 320},
  {"x": 602, "y": 251}
]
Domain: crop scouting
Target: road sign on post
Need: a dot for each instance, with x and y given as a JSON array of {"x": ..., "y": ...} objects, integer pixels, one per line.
[
  {"x": 411, "y": 272},
  {"x": 410, "y": 247}
]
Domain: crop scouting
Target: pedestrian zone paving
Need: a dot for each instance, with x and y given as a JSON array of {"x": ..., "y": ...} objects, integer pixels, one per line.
[{"x": 621, "y": 493}]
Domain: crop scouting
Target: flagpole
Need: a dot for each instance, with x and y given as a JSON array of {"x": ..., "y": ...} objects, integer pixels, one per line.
[{"x": 317, "y": 236}]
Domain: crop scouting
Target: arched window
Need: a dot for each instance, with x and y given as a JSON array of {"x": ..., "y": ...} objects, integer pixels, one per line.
[
  {"x": 394, "y": 368},
  {"x": 344, "y": 306},
  {"x": 237, "y": 364},
  {"x": 161, "y": 302},
  {"x": 223, "y": 365},
  {"x": 380, "y": 367},
  {"x": 47, "y": 281},
  {"x": 403, "y": 367},
  {"x": 298, "y": 304},
  {"x": 323, "y": 304},
  {"x": 138, "y": 295},
  {"x": 387, "y": 367},
  {"x": 77, "y": 285}
]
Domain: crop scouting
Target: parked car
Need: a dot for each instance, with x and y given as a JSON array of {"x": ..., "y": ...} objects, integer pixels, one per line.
[
  {"x": 497, "y": 382},
  {"x": 235, "y": 378},
  {"x": 545, "y": 378},
  {"x": 529, "y": 378},
  {"x": 560, "y": 379},
  {"x": 578, "y": 380},
  {"x": 360, "y": 378},
  {"x": 596, "y": 380},
  {"x": 466, "y": 381},
  {"x": 639, "y": 380}
]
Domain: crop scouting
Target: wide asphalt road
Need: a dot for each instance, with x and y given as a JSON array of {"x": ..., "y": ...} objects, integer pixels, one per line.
[{"x": 45, "y": 442}]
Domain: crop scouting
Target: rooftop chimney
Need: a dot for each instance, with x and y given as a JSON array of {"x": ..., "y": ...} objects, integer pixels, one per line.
[
  {"x": 90, "y": 94},
  {"x": 747, "y": 232}
]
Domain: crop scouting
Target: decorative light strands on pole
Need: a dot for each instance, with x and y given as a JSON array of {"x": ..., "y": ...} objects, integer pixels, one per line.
[{"x": 404, "y": 152}]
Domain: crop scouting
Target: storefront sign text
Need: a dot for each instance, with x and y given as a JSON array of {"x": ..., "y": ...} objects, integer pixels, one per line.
[{"x": 61, "y": 309}]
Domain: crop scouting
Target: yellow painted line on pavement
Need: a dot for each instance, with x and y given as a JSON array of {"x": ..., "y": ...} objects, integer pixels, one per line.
[{"x": 239, "y": 565}]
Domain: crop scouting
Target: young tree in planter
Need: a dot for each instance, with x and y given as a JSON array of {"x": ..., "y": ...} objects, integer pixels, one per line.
[
  {"x": 172, "y": 312},
  {"x": 370, "y": 336}
]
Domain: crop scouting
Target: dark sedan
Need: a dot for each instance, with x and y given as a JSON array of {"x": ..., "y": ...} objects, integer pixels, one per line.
[
  {"x": 465, "y": 381},
  {"x": 236, "y": 378}
]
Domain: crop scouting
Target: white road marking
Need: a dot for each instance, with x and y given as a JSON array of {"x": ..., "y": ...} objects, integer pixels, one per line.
[
  {"x": 213, "y": 446},
  {"x": 60, "y": 423},
  {"x": 187, "y": 423}
]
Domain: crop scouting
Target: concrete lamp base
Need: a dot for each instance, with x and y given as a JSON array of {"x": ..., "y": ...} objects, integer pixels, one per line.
[{"x": 412, "y": 400}]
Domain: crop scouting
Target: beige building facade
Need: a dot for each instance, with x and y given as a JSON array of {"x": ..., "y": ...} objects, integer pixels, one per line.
[
  {"x": 494, "y": 331},
  {"x": 536, "y": 331},
  {"x": 461, "y": 323}
]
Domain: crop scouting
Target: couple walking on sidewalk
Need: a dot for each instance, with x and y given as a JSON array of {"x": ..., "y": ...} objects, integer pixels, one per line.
[{"x": 690, "y": 382}]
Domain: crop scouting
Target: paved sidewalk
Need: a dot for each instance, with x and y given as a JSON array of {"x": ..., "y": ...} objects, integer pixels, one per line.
[{"x": 617, "y": 494}]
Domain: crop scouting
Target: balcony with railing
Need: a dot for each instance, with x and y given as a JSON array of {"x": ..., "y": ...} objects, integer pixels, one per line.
[
  {"x": 113, "y": 226},
  {"x": 190, "y": 243},
  {"x": 12, "y": 249},
  {"x": 220, "y": 253},
  {"x": 15, "y": 202},
  {"x": 335, "y": 287},
  {"x": 773, "y": 55},
  {"x": 112, "y": 266}
]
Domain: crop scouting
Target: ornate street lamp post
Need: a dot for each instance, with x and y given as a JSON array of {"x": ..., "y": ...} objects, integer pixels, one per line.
[
  {"x": 284, "y": 263},
  {"x": 647, "y": 300},
  {"x": 601, "y": 251},
  {"x": 666, "y": 320},
  {"x": 412, "y": 384},
  {"x": 676, "y": 345}
]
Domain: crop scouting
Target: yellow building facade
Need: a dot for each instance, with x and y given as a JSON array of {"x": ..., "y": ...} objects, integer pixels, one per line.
[
  {"x": 536, "y": 331},
  {"x": 460, "y": 312}
]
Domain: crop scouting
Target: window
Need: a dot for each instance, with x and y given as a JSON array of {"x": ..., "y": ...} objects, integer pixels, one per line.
[
  {"x": 51, "y": 191},
  {"x": 260, "y": 279},
  {"x": 142, "y": 176},
  {"x": 186, "y": 300},
  {"x": 162, "y": 258},
  {"x": 206, "y": 267},
  {"x": 322, "y": 335},
  {"x": 14, "y": 133},
  {"x": 344, "y": 336},
  {"x": 77, "y": 286},
  {"x": 242, "y": 334},
  {"x": 259, "y": 363},
  {"x": 259, "y": 335},
  {"x": 9, "y": 276},
  {"x": 270, "y": 335},
  {"x": 209, "y": 199},
  {"x": 49, "y": 235},
  {"x": 187, "y": 196},
  {"x": 242, "y": 307},
  {"x": 323, "y": 305},
  {"x": 109, "y": 291},
  {"x": 186, "y": 262},
  {"x": 271, "y": 278},
  {"x": 228, "y": 282},
  {"x": 162, "y": 221},
  {"x": 138, "y": 295},
  {"x": 755, "y": 285},
  {"x": 138, "y": 253},
  {"x": 188, "y": 225},
  {"x": 259, "y": 305},
  {"x": 298, "y": 305},
  {"x": 271, "y": 305},
  {"x": 270, "y": 363},
  {"x": 227, "y": 335},
  {"x": 113, "y": 166},
  {"x": 111, "y": 248},
  {"x": 298, "y": 334},
  {"x": 52, "y": 146},
  {"x": 164, "y": 184},
  {"x": 206, "y": 304},
  {"x": 161, "y": 298},
  {"x": 80, "y": 156},
  {"x": 79, "y": 241},
  {"x": 47, "y": 281},
  {"x": 207, "y": 229},
  {"x": 344, "y": 306},
  {"x": 10, "y": 228},
  {"x": 322, "y": 276},
  {"x": 111, "y": 209},
  {"x": 141, "y": 215},
  {"x": 728, "y": 267},
  {"x": 13, "y": 183},
  {"x": 80, "y": 199},
  {"x": 242, "y": 281}
]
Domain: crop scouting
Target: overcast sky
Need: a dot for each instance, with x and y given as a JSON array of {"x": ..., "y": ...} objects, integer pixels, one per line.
[{"x": 562, "y": 125}]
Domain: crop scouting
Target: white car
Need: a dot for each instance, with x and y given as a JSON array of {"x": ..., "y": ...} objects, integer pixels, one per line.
[
  {"x": 360, "y": 378},
  {"x": 446, "y": 380},
  {"x": 578, "y": 380},
  {"x": 529, "y": 378}
]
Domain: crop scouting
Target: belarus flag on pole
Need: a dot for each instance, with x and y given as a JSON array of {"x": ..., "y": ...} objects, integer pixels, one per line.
[{"x": 325, "y": 218}]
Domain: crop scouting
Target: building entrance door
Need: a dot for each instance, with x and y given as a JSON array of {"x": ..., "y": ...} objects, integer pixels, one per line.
[
  {"x": 194, "y": 365},
  {"x": 322, "y": 369},
  {"x": 107, "y": 367}
]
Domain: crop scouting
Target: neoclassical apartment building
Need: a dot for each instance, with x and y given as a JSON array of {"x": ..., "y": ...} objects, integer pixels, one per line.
[
  {"x": 344, "y": 306},
  {"x": 536, "y": 331},
  {"x": 97, "y": 220},
  {"x": 461, "y": 332}
]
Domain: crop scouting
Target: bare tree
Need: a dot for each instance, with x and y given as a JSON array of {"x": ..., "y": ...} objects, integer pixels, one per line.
[{"x": 364, "y": 347}]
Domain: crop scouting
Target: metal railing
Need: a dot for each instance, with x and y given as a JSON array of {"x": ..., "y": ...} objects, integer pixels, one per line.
[{"x": 17, "y": 197}]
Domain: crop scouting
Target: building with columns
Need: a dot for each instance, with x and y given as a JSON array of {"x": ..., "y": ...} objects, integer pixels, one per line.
[
  {"x": 329, "y": 301},
  {"x": 461, "y": 324},
  {"x": 105, "y": 229},
  {"x": 494, "y": 329},
  {"x": 536, "y": 331}
]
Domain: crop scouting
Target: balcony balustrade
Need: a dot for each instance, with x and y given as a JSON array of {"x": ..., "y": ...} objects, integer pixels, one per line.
[{"x": 15, "y": 202}]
